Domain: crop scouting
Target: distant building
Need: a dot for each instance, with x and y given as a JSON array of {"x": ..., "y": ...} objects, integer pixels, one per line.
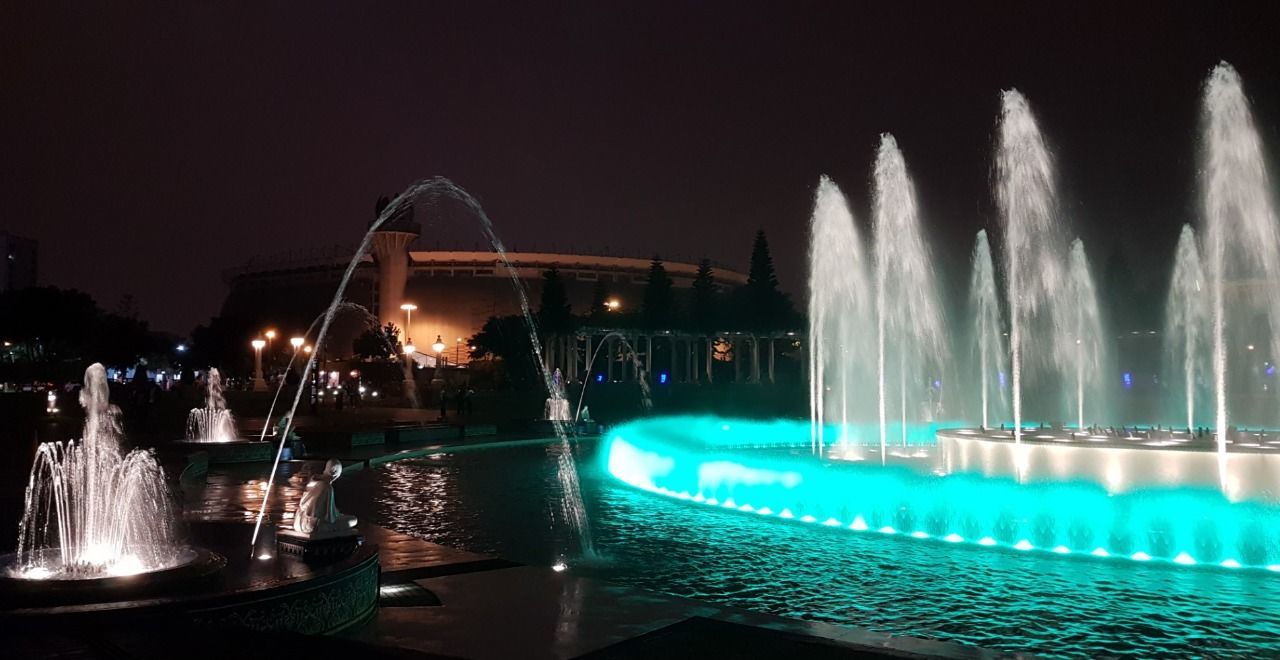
[
  {"x": 18, "y": 270},
  {"x": 454, "y": 291}
]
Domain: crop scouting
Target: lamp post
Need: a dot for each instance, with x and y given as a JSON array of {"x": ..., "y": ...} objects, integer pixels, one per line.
[
  {"x": 296, "y": 343},
  {"x": 457, "y": 351},
  {"x": 438, "y": 347},
  {"x": 259, "y": 385},
  {"x": 408, "y": 319}
]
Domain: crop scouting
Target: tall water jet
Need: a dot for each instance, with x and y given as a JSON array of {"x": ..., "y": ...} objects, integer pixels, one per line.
[
  {"x": 906, "y": 298},
  {"x": 839, "y": 309},
  {"x": 988, "y": 325},
  {"x": 1187, "y": 320},
  {"x": 1078, "y": 343},
  {"x": 213, "y": 422},
  {"x": 431, "y": 192},
  {"x": 1033, "y": 245},
  {"x": 91, "y": 511},
  {"x": 1241, "y": 235}
]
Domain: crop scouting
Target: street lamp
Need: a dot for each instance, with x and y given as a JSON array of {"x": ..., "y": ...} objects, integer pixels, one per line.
[
  {"x": 259, "y": 385},
  {"x": 457, "y": 351},
  {"x": 296, "y": 343},
  {"x": 613, "y": 304},
  {"x": 438, "y": 346},
  {"x": 408, "y": 319}
]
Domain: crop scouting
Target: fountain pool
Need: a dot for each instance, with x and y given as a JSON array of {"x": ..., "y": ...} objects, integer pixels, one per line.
[{"x": 496, "y": 500}]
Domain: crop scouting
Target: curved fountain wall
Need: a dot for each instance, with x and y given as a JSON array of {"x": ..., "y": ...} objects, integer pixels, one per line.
[{"x": 764, "y": 469}]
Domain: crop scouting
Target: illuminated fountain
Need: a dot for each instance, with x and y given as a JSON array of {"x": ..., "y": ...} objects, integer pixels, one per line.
[
  {"x": 1149, "y": 493},
  {"x": 213, "y": 422},
  {"x": 92, "y": 511},
  {"x": 988, "y": 331},
  {"x": 1186, "y": 323},
  {"x": 1242, "y": 240}
]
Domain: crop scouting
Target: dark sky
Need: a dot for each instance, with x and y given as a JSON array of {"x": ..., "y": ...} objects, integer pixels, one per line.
[{"x": 149, "y": 146}]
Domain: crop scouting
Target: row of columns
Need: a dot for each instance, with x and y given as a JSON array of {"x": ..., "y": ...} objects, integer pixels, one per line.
[{"x": 620, "y": 356}]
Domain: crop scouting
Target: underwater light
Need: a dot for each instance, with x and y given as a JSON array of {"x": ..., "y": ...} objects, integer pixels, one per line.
[
  {"x": 1100, "y": 552},
  {"x": 888, "y": 530},
  {"x": 987, "y": 541},
  {"x": 858, "y": 524},
  {"x": 832, "y": 522},
  {"x": 1023, "y": 545},
  {"x": 786, "y": 513},
  {"x": 1184, "y": 559},
  {"x": 953, "y": 538},
  {"x": 1062, "y": 549},
  {"x": 1140, "y": 556},
  {"x": 919, "y": 535},
  {"x": 808, "y": 518},
  {"x": 1230, "y": 563},
  {"x": 764, "y": 511}
]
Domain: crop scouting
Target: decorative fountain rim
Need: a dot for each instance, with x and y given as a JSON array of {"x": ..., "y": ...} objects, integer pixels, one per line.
[
  {"x": 18, "y": 592},
  {"x": 718, "y": 450}
]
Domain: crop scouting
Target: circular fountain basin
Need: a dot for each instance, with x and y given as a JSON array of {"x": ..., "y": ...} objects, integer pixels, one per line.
[
  {"x": 1051, "y": 505},
  {"x": 125, "y": 580}
]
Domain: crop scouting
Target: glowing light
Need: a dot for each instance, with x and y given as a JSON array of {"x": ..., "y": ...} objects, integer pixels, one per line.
[
  {"x": 599, "y": 378},
  {"x": 888, "y": 530},
  {"x": 1230, "y": 563},
  {"x": 713, "y": 501},
  {"x": 181, "y": 348},
  {"x": 832, "y": 522},
  {"x": 953, "y": 538},
  {"x": 1062, "y": 549},
  {"x": 36, "y": 573},
  {"x": 559, "y": 567},
  {"x": 730, "y": 504},
  {"x": 264, "y": 556},
  {"x": 808, "y": 518},
  {"x": 986, "y": 540},
  {"x": 126, "y": 565},
  {"x": 438, "y": 345},
  {"x": 296, "y": 342},
  {"x": 662, "y": 378},
  {"x": 1100, "y": 552},
  {"x": 786, "y": 513},
  {"x": 1023, "y": 545},
  {"x": 1184, "y": 559},
  {"x": 859, "y": 524},
  {"x": 258, "y": 344},
  {"x": 699, "y": 498},
  {"x": 919, "y": 535},
  {"x": 764, "y": 511},
  {"x": 613, "y": 304},
  {"x": 1140, "y": 556},
  {"x": 746, "y": 507}
]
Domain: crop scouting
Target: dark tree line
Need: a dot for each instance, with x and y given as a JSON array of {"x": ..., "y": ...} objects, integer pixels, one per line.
[
  {"x": 756, "y": 306},
  {"x": 54, "y": 333}
]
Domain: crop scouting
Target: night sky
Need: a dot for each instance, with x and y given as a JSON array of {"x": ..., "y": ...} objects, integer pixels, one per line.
[{"x": 150, "y": 146}]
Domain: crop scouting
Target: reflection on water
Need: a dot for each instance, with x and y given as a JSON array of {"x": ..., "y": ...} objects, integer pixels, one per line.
[{"x": 497, "y": 502}]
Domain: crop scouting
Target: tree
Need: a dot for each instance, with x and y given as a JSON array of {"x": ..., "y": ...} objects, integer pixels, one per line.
[
  {"x": 762, "y": 305},
  {"x": 506, "y": 338},
  {"x": 555, "y": 315},
  {"x": 703, "y": 306},
  {"x": 375, "y": 343},
  {"x": 658, "y": 307},
  {"x": 599, "y": 298}
]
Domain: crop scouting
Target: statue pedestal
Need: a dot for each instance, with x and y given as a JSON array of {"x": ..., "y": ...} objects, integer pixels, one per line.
[{"x": 334, "y": 544}]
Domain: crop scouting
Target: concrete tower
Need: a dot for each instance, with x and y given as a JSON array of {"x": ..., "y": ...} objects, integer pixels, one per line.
[{"x": 391, "y": 252}]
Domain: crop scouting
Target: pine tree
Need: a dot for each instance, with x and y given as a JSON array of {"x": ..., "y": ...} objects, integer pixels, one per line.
[
  {"x": 761, "y": 275},
  {"x": 762, "y": 305},
  {"x": 658, "y": 307},
  {"x": 554, "y": 312},
  {"x": 703, "y": 306}
]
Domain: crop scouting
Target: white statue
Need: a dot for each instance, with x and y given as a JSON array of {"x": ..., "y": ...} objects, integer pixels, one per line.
[
  {"x": 557, "y": 407},
  {"x": 318, "y": 511}
]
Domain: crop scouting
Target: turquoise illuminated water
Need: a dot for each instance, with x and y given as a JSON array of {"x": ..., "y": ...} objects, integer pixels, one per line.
[{"x": 1075, "y": 605}]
